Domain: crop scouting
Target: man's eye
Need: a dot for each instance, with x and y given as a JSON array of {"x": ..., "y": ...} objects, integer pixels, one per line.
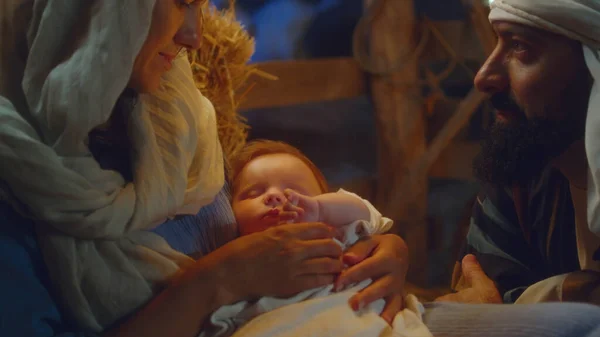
[{"x": 519, "y": 46}]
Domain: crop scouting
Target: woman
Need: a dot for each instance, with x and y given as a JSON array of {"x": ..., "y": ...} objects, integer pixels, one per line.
[{"x": 89, "y": 167}]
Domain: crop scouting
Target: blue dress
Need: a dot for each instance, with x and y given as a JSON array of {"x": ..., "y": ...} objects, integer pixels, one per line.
[
  {"x": 27, "y": 305},
  {"x": 27, "y": 308}
]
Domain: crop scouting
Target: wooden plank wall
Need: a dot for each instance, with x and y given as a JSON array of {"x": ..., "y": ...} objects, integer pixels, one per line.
[{"x": 305, "y": 81}]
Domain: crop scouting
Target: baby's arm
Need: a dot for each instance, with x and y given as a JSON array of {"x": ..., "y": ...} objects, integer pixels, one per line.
[
  {"x": 375, "y": 223},
  {"x": 335, "y": 209},
  {"x": 339, "y": 209}
]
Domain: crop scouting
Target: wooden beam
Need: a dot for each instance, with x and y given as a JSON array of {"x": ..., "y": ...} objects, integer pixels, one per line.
[
  {"x": 455, "y": 162},
  {"x": 463, "y": 113},
  {"x": 400, "y": 122},
  {"x": 305, "y": 81},
  {"x": 479, "y": 19}
]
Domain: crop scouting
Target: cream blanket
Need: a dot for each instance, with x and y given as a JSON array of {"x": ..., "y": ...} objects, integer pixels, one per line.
[
  {"x": 321, "y": 312},
  {"x": 578, "y": 20},
  {"x": 91, "y": 223}
]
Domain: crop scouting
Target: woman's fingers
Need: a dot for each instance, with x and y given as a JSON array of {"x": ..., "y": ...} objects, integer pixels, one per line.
[
  {"x": 387, "y": 267},
  {"x": 287, "y": 216},
  {"x": 323, "y": 265},
  {"x": 369, "y": 268},
  {"x": 380, "y": 288},
  {"x": 393, "y": 305},
  {"x": 282, "y": 260},
  {"x": 320, "y": 248},
  {"x": 305, "y": 231},
  {"x": 305, "y": 282},
  {"x": 359, "y": 251}
]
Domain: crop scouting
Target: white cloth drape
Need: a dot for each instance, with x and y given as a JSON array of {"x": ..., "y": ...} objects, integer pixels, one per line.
[{"x": 92, "y": 225}]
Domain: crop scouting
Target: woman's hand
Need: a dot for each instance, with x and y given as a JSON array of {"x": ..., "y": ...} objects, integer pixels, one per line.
[
  {"x": 383, "y": 258},
  {"x": 280, "y": 261}
]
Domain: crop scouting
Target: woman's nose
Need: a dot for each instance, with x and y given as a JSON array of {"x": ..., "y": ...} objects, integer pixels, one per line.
[{"x": 190, "y": 33}]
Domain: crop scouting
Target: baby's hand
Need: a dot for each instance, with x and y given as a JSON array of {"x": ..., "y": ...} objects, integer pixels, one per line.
[{"x": 306, "y": 207}]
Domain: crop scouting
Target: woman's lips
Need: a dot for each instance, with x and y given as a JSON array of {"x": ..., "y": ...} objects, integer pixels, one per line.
[{"x": 168, "y": 60}]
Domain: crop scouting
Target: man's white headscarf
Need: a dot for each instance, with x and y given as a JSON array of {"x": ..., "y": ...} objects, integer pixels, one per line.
[
  {"x": 578, "y": 20},
  {"x": 61, "y": 76}
]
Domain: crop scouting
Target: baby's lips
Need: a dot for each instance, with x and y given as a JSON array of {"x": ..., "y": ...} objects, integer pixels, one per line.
[{"x": 272, "y": 212}]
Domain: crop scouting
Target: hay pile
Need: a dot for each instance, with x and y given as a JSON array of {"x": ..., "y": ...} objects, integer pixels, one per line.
[{"x": 221, "y": 71}]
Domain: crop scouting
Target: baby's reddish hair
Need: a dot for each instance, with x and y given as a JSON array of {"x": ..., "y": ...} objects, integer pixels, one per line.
[{"x": 263, "y": 147}]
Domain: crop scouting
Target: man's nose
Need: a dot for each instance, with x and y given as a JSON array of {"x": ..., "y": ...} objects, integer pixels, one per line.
[{"x": 493, "y": 75}]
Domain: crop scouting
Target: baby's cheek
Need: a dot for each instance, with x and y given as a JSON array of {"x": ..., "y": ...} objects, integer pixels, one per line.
[
  {"x": 244, "y": 220},
  {"x": 252, "y": 225}
]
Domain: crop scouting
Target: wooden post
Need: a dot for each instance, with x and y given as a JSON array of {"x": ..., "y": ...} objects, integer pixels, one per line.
[{"x": 400, "y": 125}]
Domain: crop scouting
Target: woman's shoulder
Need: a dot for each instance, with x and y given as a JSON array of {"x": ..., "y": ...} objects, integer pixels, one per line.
[{"x": 27, "y": 307}]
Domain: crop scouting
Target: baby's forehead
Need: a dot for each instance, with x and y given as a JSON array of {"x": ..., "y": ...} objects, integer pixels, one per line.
[
  {"x": 277, "y": 163},
  {"x": 274, "y": 167}
]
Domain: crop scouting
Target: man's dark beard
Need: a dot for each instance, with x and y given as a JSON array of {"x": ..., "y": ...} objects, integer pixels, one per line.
[{"x": 516, "y": 151}]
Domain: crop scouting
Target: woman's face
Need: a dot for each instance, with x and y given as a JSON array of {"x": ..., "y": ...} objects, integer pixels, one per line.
[{"x": 176, "y": 24}]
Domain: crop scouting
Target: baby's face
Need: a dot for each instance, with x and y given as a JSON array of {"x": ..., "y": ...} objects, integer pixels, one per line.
[{"x": 259, "y": 196}]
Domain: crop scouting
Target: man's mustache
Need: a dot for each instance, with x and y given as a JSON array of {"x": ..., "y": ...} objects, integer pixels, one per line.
[{"x": 504, "y": 102}]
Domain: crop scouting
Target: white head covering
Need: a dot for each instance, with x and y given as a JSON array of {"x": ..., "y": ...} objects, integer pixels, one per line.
[
  {"x": 578, "y": 20},
  {"x": 92, "y": 225}
]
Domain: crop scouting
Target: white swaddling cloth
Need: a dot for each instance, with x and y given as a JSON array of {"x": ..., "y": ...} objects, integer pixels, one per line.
[
  {"x": 63, "y": 65},
  {"x": 321, "y": 312}
]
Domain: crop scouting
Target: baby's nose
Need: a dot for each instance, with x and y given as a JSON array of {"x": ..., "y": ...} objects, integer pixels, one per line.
[{"x": 274, "y": 199}]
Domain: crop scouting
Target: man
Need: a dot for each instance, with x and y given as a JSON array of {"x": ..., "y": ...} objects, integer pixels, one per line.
[{"x": 530, "y": 239}]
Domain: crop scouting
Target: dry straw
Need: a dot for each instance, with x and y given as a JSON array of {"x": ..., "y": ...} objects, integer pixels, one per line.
[{"x": 221, "y": 71}]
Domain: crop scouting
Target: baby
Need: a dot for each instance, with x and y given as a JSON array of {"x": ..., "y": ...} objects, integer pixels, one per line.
[{"x": 273, "y": 183}]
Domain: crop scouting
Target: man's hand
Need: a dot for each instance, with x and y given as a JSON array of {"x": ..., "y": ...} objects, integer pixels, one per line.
[{"x": 479, "y": 287}]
